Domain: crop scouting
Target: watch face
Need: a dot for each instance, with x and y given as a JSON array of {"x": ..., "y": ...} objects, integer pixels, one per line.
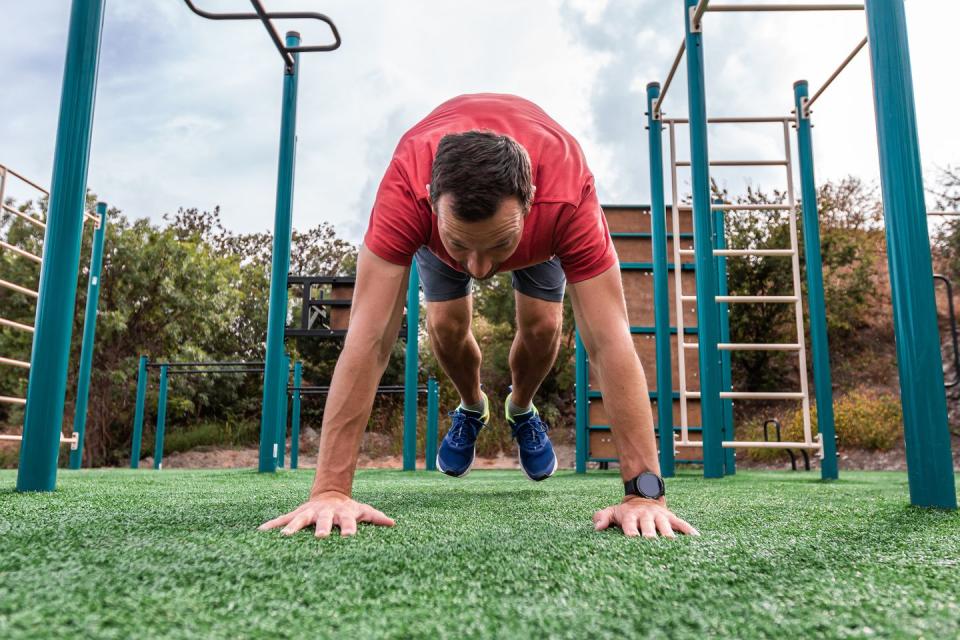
[{"x": 649, "y": 485}]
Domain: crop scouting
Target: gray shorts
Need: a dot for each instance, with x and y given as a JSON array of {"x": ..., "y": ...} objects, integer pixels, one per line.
[{"x": 440, "y": 282}]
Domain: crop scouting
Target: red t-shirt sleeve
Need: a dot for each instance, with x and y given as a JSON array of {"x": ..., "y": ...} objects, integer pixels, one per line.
[
  {"x": 397, "y": 226},
  {"x": 583, "y": 241}
]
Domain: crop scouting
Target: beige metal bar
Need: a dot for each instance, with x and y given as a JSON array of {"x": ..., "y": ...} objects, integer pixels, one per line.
[
  {"x": 755, "y": 395},
  {"x": 943, "y": 213},
  {"x": 73, "y": 439},
  {"x": 753, "y": 252},
  {"x": 752, "y": 207},
  {"x": 746, "y": 299},
  {"x": 746, "y": 346},
  {"x": 737, "y": 8},
  {"x": 18, "y": 288},
  {"x": 28, "y": 218},
  {"x": 21, "y": 252},
  {"x": 735, "y": 120},
  {"x": 833, "y": 76},
  {"x": 33, "y": 184},
  {"x": 678, "y": 281},
  {"x": 740, "y": 444},
  {"x": 12, "y": 400},
  {"x": 14, "y": 363},
  {"x": 669, "y": 80},
  {"x": 740, "y": 163},
  {"x": 16, "y": 325}
]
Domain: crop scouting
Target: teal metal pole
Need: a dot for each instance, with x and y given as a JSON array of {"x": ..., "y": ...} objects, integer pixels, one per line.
[
  {"x": 295, "y": 416},
  {"x": 707, "y": 313},
  {"x": 726, "y": 372},
  {"x": 582, "y": 387},
  {"x": 661, "y": 295},
  {"x": 819, "y": 343},
  {"x": 89, "y": 332},
  {"x": 47, "y": 386},
  {"x": 433, "y": 418},
  {"x": 283, "y": 404},
  {"x": 274, "y": 369},
  {"x": 926, "y": 434},
  {"x": 138, "y": 413},
  {"x": 161, "y": 420},
  {"x": 411, "y": 369}
]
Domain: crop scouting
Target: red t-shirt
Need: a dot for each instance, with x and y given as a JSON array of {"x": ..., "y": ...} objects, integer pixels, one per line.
[{"x": 565, "y": 220}]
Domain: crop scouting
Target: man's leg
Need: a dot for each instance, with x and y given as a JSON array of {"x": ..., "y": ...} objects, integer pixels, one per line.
[
  {"x": 535, "y": 345},
  {"x": 457, "y": 351}
]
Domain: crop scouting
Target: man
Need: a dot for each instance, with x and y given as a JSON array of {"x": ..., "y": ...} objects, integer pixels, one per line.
[{"x": 488, "y": 183}]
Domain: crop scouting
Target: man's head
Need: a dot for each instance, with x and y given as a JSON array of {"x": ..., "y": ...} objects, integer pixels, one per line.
[{"x": 481, "y": 189}]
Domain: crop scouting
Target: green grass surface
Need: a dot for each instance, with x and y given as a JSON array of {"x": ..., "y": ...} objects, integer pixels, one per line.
[{"x": 120, "y": 554}]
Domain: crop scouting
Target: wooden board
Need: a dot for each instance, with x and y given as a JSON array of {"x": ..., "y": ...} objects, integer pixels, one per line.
[
  {"x": 638, "y": 292},
  {"x": 598, "y": 416},
  {"x": 637, "y": 220},
  {"x": 646, "y": 346}
]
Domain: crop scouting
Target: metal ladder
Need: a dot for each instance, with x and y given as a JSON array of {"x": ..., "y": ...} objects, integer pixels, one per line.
[{"x": 809, "y": 442}]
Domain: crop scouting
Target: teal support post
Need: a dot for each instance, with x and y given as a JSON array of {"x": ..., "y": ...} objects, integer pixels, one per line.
[
  {"x": 926, "y": 434},
  {"x": 816, "y": 305},
  {"x": 581, "y": 388},
  {"x": 47, "y": 385},
  {"x": 161, "y": 420},
  {"x": 433, "y": 418},
  {"x": 275, "y": 370},
  {"x": 89, "y": 334},
  {"x": 411, "y": 371},
  {"x": 726, "y": 371},
  {"x": 283, "y": 404},
  {"x": 138, "y": 413},
  {"x": 707, "y": 312},
  {"x": 661, "y": 295},
  {"x": 295, "y": 416}
]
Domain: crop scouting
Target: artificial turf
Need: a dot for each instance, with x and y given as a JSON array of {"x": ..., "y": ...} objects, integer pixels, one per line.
[{"x": 120, "y": 554}]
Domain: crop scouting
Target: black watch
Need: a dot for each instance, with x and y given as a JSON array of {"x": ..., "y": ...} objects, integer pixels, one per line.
[{"x": 646, "y": 485}]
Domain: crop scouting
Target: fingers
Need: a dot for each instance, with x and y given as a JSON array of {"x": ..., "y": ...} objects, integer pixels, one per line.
[
  {"x": 374, "y": 516},
  {"x": 663, "y": 526},
  {"x": 277, "y": 522},
  {"x": 647, "y": 526},
  {"x": 683, "y": 526},
  {"x": 348, "y": 524},
  {"x": 601, "y": 519},
  {"x": 629, "y": 526},
  {"x": 324, "y": 524},
  {"x": 301, "y": 520}
]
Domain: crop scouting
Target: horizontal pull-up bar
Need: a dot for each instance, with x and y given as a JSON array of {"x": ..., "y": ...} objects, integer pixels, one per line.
[
  {"x": 267, "y": 19},
  {"x": 833, "y": 76},
  {"x": 240, "y": 363},
  {"x": 737, "y": 8},
  {"x": 669, "y": 80},
  {"x": 7, "y": 170}
]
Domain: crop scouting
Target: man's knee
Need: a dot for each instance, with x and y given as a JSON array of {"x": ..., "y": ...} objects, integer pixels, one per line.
[
  {"x": 541, "y": 333},
  {"x": 447, "y": 328}
]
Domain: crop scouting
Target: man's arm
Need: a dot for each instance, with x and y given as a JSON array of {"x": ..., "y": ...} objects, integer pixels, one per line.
[
  {"x": 375, "y": 317},
  {"x": 601, "y": 314}
]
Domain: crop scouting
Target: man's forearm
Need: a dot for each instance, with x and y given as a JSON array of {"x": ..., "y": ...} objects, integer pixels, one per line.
[
  {"x": 345, "y": 415},
  {"x": 627, "y": 403}
]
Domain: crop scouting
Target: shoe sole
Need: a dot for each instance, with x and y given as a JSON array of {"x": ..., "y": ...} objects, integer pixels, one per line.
[
  {"x": 553, "y": 469},
  {"x": 469, "y": 468}
]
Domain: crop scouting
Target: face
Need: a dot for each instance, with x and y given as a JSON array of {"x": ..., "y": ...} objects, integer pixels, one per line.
[{"x": 480, "y": 247}]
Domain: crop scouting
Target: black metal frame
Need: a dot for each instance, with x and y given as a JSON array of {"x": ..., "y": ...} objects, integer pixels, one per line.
[
  {"x": 204, "y": 367},
  {"x": 308, "y": 319},
  {"x": 267, "y": 19},
  {"x": 793, "y": 457},
  {"x": 953, "y": 331}
]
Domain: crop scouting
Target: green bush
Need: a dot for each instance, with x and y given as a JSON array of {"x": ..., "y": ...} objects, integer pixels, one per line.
[{"x": 862, "y": 419}]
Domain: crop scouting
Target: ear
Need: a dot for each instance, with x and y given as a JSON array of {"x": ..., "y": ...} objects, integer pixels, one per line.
[{"x": 430, "y": 200}]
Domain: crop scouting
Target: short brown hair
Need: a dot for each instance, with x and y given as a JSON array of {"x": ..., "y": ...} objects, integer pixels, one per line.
[{"x": 478, "y": 169}]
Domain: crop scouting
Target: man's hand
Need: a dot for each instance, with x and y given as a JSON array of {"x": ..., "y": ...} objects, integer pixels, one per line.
[
  {"x": 650, "y": 516},
  {"x": 328, "y": 510}
]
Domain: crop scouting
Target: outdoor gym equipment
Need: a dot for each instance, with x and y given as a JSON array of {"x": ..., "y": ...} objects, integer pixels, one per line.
[
  {"x": 36, "y": 467},
  {"x": 930, "y": 464}
]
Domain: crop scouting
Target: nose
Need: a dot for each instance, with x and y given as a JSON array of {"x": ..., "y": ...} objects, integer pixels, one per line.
[{"x": 479, "y": 265}]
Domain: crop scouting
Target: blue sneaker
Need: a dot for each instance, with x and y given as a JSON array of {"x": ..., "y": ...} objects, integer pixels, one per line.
[
  {"x": 458, "y": 449},
  {"x": 537, "y": 458}
]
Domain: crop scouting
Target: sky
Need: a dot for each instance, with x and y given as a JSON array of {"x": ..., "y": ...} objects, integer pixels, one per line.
[{"x": 188, "y": 110}]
